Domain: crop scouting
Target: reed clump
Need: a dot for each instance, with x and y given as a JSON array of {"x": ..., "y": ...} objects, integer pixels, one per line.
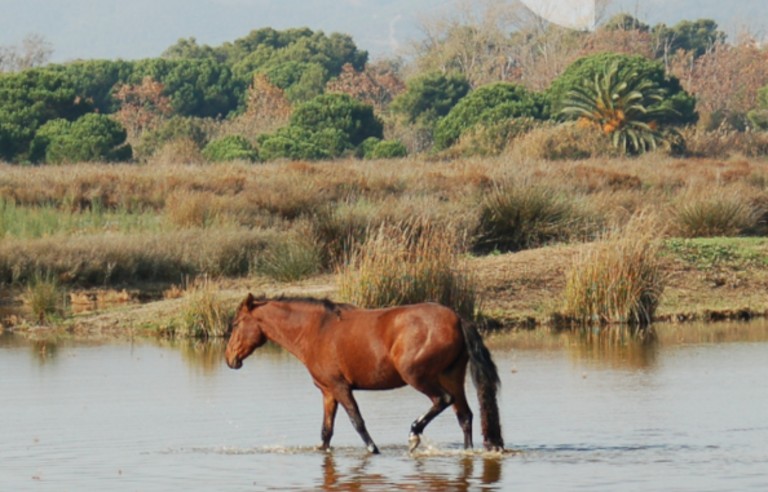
[
  {"x": 406, "y": 263},
  {"x": 45, "y": 298},
  {"x": 203, "y": 314},
  {"x": 292, "y": 258},
  {"x": 619, "y": 280}
]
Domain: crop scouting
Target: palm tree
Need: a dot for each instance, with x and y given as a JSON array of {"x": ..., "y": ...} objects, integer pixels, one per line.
[{"x": 622, "y": 104}]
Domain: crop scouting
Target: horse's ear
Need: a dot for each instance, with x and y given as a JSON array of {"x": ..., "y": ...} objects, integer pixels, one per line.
[{"x": 252, "y": 303}]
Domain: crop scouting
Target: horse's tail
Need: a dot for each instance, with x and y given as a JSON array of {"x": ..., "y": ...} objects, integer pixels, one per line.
[{"x": 486, "y": 379}]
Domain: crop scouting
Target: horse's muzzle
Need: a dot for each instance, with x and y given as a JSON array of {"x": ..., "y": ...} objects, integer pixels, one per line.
[{"x": 234, "y": 362}]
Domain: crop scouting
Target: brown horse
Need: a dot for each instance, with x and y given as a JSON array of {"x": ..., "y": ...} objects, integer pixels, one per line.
[{"x": 346, "y": 348}]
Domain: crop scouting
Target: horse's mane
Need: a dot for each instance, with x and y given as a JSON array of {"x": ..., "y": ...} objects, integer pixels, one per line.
[{"x": 327, "y": 304}]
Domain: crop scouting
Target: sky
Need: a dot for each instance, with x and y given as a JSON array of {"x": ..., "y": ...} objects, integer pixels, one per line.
[{"x": 132, "y": 29}]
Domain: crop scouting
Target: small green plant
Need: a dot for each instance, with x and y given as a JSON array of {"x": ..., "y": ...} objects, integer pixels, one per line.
[
  {"x": 408, "y": 263},
  {"x": 45, "y": 298},
  {"x": 618, "y": 280}
]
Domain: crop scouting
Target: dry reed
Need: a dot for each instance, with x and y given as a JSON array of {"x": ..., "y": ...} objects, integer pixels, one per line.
[{"x": 618, "y": 280}]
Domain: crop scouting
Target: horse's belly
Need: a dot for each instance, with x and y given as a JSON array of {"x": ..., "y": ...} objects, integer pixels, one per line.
[{"x": 378, "y": 378}]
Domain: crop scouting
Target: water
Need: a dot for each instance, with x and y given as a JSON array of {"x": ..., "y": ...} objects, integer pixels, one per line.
[{"x": 687, "y": 412}]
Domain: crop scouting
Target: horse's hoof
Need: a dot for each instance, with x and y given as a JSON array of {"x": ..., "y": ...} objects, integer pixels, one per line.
[
  {"x": 413, "y": 442},
  {"x": 373, "y": 449}
]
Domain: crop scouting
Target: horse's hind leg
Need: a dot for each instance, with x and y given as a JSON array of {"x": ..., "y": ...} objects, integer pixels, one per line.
[
  {"x": 441, "y": 399},
  {"x": 454, "y": 384}
]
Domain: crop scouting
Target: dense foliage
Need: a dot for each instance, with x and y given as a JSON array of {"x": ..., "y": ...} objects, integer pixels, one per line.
[
  {"x": 679, "y": 104},
  {"x": 489, "y": 104},
  {"x": 324, "y": 127},
  {"x": 93, "y": 137},
  {"x": 622, "y": 104}
]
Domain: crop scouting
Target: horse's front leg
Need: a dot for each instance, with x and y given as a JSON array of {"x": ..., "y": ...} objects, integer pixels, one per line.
[
  {"x": 330, "y": 404},
  {"x": 350, "y": 405}
]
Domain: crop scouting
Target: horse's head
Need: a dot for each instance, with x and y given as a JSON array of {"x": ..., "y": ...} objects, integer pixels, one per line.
[{"x": 246, "y": 335}]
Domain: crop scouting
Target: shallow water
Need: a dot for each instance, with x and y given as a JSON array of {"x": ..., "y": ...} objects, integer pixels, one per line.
[{"x": 686, "y": 412}]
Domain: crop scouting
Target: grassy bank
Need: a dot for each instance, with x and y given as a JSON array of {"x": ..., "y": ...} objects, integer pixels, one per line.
[{"x": 518, "y": 225}]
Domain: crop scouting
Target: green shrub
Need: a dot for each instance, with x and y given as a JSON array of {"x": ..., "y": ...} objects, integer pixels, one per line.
[
  {"x": 230, "y": 148},
  {"x": 93, "y": 137},
  {"x": 339, "y": 112},
  {"x": 429, "y": 97},
  {"x": 322, "y": 128},
  {"x": 374, "y": 148},
  {"x": 488, "y": 105}
]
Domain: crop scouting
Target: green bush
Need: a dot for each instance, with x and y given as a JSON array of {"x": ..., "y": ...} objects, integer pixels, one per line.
[
  {"x": 230, "y": 148},
  {"x": 93, "y": 137},
  {"x": 430, "y": 97},
  {"x": 374, "y": 148},
  {"x": 325, "y": 127},
  {"x": 174, "y": 129},
  {"x": 679, "y": 105},
  {"x": 488, "y": 105}
]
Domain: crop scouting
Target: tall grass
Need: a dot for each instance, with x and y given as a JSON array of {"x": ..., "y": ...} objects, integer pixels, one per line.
[
  {"x": 291, "y": 258},
  {"x": 203, "y": 314},
  {"x": 45, "y": 297},
  {"x": 619, "y": 280},
  {"x": 518, "y": 216},
  {"x": 407, "y": 263},
  {"x": 714, "y": 211}
]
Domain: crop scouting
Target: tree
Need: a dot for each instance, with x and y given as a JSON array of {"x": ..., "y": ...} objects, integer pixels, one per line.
[
  {"x": 681, "y": 106},
  {"x": 28, "y": 99},
  {"x": 725, "y": 80},
  {"x": 93, "y": 137},
  {"x": 623, "y": 104},
  {"x": 377, "y": 85},
  {"x": 472, "y": 41},
  {"x": 322, "y": 128},
  {"x": 203, "y": 88},
  {"x": 34, "y": 51},
  {"x": 431, "y": 96},
  {"x": 354, "y": 119},
  {"x": 695, "y": 37},
  {"x": 490, "y": 104},
  {"x": 142, "y": 107}
]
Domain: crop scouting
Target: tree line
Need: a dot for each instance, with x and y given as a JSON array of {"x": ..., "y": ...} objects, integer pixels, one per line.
[{"x": 304, "y": 94}]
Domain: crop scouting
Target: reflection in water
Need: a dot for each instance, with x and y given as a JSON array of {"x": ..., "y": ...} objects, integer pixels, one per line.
[
  {"x": 616, "y": 347},
  {"x": 44, "y": 350},
  {"x": 204, "y": 356},
  {"x": 426, "y": 476}
]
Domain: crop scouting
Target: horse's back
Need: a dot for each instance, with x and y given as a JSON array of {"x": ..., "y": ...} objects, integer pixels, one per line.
[{"x": 373, "y": 348}]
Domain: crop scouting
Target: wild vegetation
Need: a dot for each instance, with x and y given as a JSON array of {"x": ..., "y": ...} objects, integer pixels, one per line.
[{"x": 289, "y": 155}]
